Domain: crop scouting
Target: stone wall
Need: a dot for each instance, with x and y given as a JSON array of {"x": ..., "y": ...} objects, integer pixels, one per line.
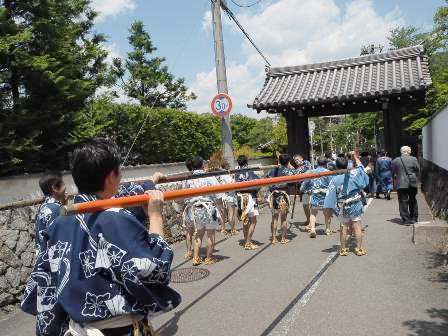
[
  {"x": 435, "y": 187},
  {"x": 17, "y": 253}
]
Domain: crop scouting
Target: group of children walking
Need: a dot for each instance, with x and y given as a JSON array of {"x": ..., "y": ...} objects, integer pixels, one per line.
[{"x": 339, "y": 195}]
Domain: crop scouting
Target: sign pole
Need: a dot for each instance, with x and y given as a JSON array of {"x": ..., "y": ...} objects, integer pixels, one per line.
[{"x": 221, "y": 78}]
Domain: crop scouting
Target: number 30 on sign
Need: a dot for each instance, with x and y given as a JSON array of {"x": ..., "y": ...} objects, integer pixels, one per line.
[{"x": 221, "y": 105}]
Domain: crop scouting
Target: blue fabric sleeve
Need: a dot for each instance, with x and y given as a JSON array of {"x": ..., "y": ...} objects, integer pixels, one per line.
[
  {"x": 271, "y": 173},
  {"x": 331, "y": 199},
  {"x": 360, "y": 179},
  {"x": 253, "y": 176},
  {"x": 306, "y": 186},
  {"x": 148, "y": 185}
]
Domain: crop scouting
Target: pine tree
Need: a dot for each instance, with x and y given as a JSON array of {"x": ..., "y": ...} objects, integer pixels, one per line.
[
  {"x": 145, "y": 78},
  {"x": 51, "y": 63}
]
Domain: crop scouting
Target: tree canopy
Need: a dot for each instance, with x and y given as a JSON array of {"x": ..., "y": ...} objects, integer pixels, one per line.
[{"x": 145, "y": 78}]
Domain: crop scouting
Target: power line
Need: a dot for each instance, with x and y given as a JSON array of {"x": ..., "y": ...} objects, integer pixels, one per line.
[
  {"x": 246, "y": 6},
  {"x": 232, "y": 17}
]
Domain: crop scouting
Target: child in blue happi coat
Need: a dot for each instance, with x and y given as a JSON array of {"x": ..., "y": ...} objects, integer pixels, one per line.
[
  {"x": 247, "y": 203},
  {"x": 201, "y": 214},
  {"x": 53, "y": 188},
  {"x": 279, "y": 201},
  {"x": 345, "y": 199},
  {"x": 318, "y": 189}
]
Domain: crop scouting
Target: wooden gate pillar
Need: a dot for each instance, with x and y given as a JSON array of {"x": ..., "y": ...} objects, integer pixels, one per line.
[
  {"x": 298, "y": 134},
  {"x": 392, "y": 115}
]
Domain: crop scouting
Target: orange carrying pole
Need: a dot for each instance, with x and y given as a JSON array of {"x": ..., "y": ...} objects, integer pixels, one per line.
[{"x": 131, "y": 201}]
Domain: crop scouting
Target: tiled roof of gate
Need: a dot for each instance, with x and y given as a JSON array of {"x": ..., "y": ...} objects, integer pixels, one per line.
[{"x": 401, "y": 70}]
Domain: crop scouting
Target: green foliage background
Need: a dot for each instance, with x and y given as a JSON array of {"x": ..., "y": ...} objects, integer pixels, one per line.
[{"x": 53, "y": 64}]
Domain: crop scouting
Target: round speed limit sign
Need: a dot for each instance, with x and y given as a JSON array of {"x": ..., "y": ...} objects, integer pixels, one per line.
[{"x": 221, "y": 105}]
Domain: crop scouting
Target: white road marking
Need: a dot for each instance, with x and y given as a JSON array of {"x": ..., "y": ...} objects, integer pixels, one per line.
[{"x": 283, "y": 327}]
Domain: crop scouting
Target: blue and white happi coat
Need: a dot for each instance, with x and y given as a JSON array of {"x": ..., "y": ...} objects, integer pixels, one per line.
[
  {"x": 201, "y": 211},
  {"x": 46, "y": 214},
  {"x": 344, "y": 194},
  {"x": 96, "y": 266},
  {"x": 133, "y": 189},
  {"x": 281, "y": 171},
  {"x": 317, "y": 187},
  {"x": 304, "y": 167},
  {"x": 229, "y": 197},
  {"x": 383, "y": 172}
]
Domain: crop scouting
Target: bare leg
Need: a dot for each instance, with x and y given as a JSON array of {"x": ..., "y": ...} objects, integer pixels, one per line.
[
  {"x": 284, "y": 224},
  {"x": 210, "y": 242},
  {"x": 189, "y": 241},
  {"x": 327, "y": 215},
  {"x": 222, "y": 211},
  {"x": 307, "y": 211},
  {"x": 343, "y": 235},
  {"x": 246, "y": 230},
  {"x": 312, "y": 221},
  {"x": 274, "y": 227},
  {"x": 198, "y": 242},
  {"x": 250, "y": 232},
  {"x": 358, "y": 233},
  {"x": 231, "y": 217}
]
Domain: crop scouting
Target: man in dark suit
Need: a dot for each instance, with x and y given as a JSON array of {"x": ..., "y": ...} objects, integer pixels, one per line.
[{"x": 406, "y": 171}]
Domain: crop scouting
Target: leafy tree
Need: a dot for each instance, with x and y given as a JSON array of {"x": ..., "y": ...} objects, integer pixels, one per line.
[
  {"x": 51, "y": 63},
  {"x": 145, "y": 78},
  {"x": 241, "y": 127},
  {"x": 262, "y": 133},
  {"x": 168, "y": 135},
  {"x": 402, "y": 37},
  {"x": 436, "y": 43},
  {"x": 279, "y": 133}
]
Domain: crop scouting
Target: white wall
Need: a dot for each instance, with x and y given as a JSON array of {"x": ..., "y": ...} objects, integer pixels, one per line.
[
  {"x": 435, "y": 139},
  {"x": 27, "y": 187}
]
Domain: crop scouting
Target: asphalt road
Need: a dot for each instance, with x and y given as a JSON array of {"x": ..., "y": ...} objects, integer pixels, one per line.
[{"x": 305, "y": 288}]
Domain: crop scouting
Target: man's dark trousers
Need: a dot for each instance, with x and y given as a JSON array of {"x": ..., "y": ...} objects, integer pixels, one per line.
[{"x": 408, "y": 204}]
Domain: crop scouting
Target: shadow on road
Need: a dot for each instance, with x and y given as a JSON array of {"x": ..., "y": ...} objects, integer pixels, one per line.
[
  {"x": 397, "y": 221},
  {"x": 437, "y": 263},
  {"x": 170, "y": 327},
  {"x": 188, "y": 261},
  {"x": 430, "y": 328}
]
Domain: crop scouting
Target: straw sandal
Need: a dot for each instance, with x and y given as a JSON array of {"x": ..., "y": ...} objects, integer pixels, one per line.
[
  {"x": 343, "y": 252},
  {"x": 360, "y": 252},
  {"x": 274, "y": 241},
  {"x": 224, "y": 233},
  {"x": 197, "y": 261},
  {"x": 233, "y": 232},
  {"x": 284, "y": 241},
  {"x": 209, "y": 261},
  {"x": 250, "y": 246}
]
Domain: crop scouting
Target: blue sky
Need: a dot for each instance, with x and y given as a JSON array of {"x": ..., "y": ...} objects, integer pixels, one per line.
[{"x": 290, "y": 32}]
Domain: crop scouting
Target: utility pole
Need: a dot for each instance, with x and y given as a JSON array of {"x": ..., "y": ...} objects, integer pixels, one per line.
[{"x": 221, "y": 78}]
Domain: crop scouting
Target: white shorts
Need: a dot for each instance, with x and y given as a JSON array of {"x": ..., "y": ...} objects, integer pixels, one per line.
[
  {"x": 251, "y": 208},
  {"x": 306, "y": 199},
  {"x": 346, "y": 220}
]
